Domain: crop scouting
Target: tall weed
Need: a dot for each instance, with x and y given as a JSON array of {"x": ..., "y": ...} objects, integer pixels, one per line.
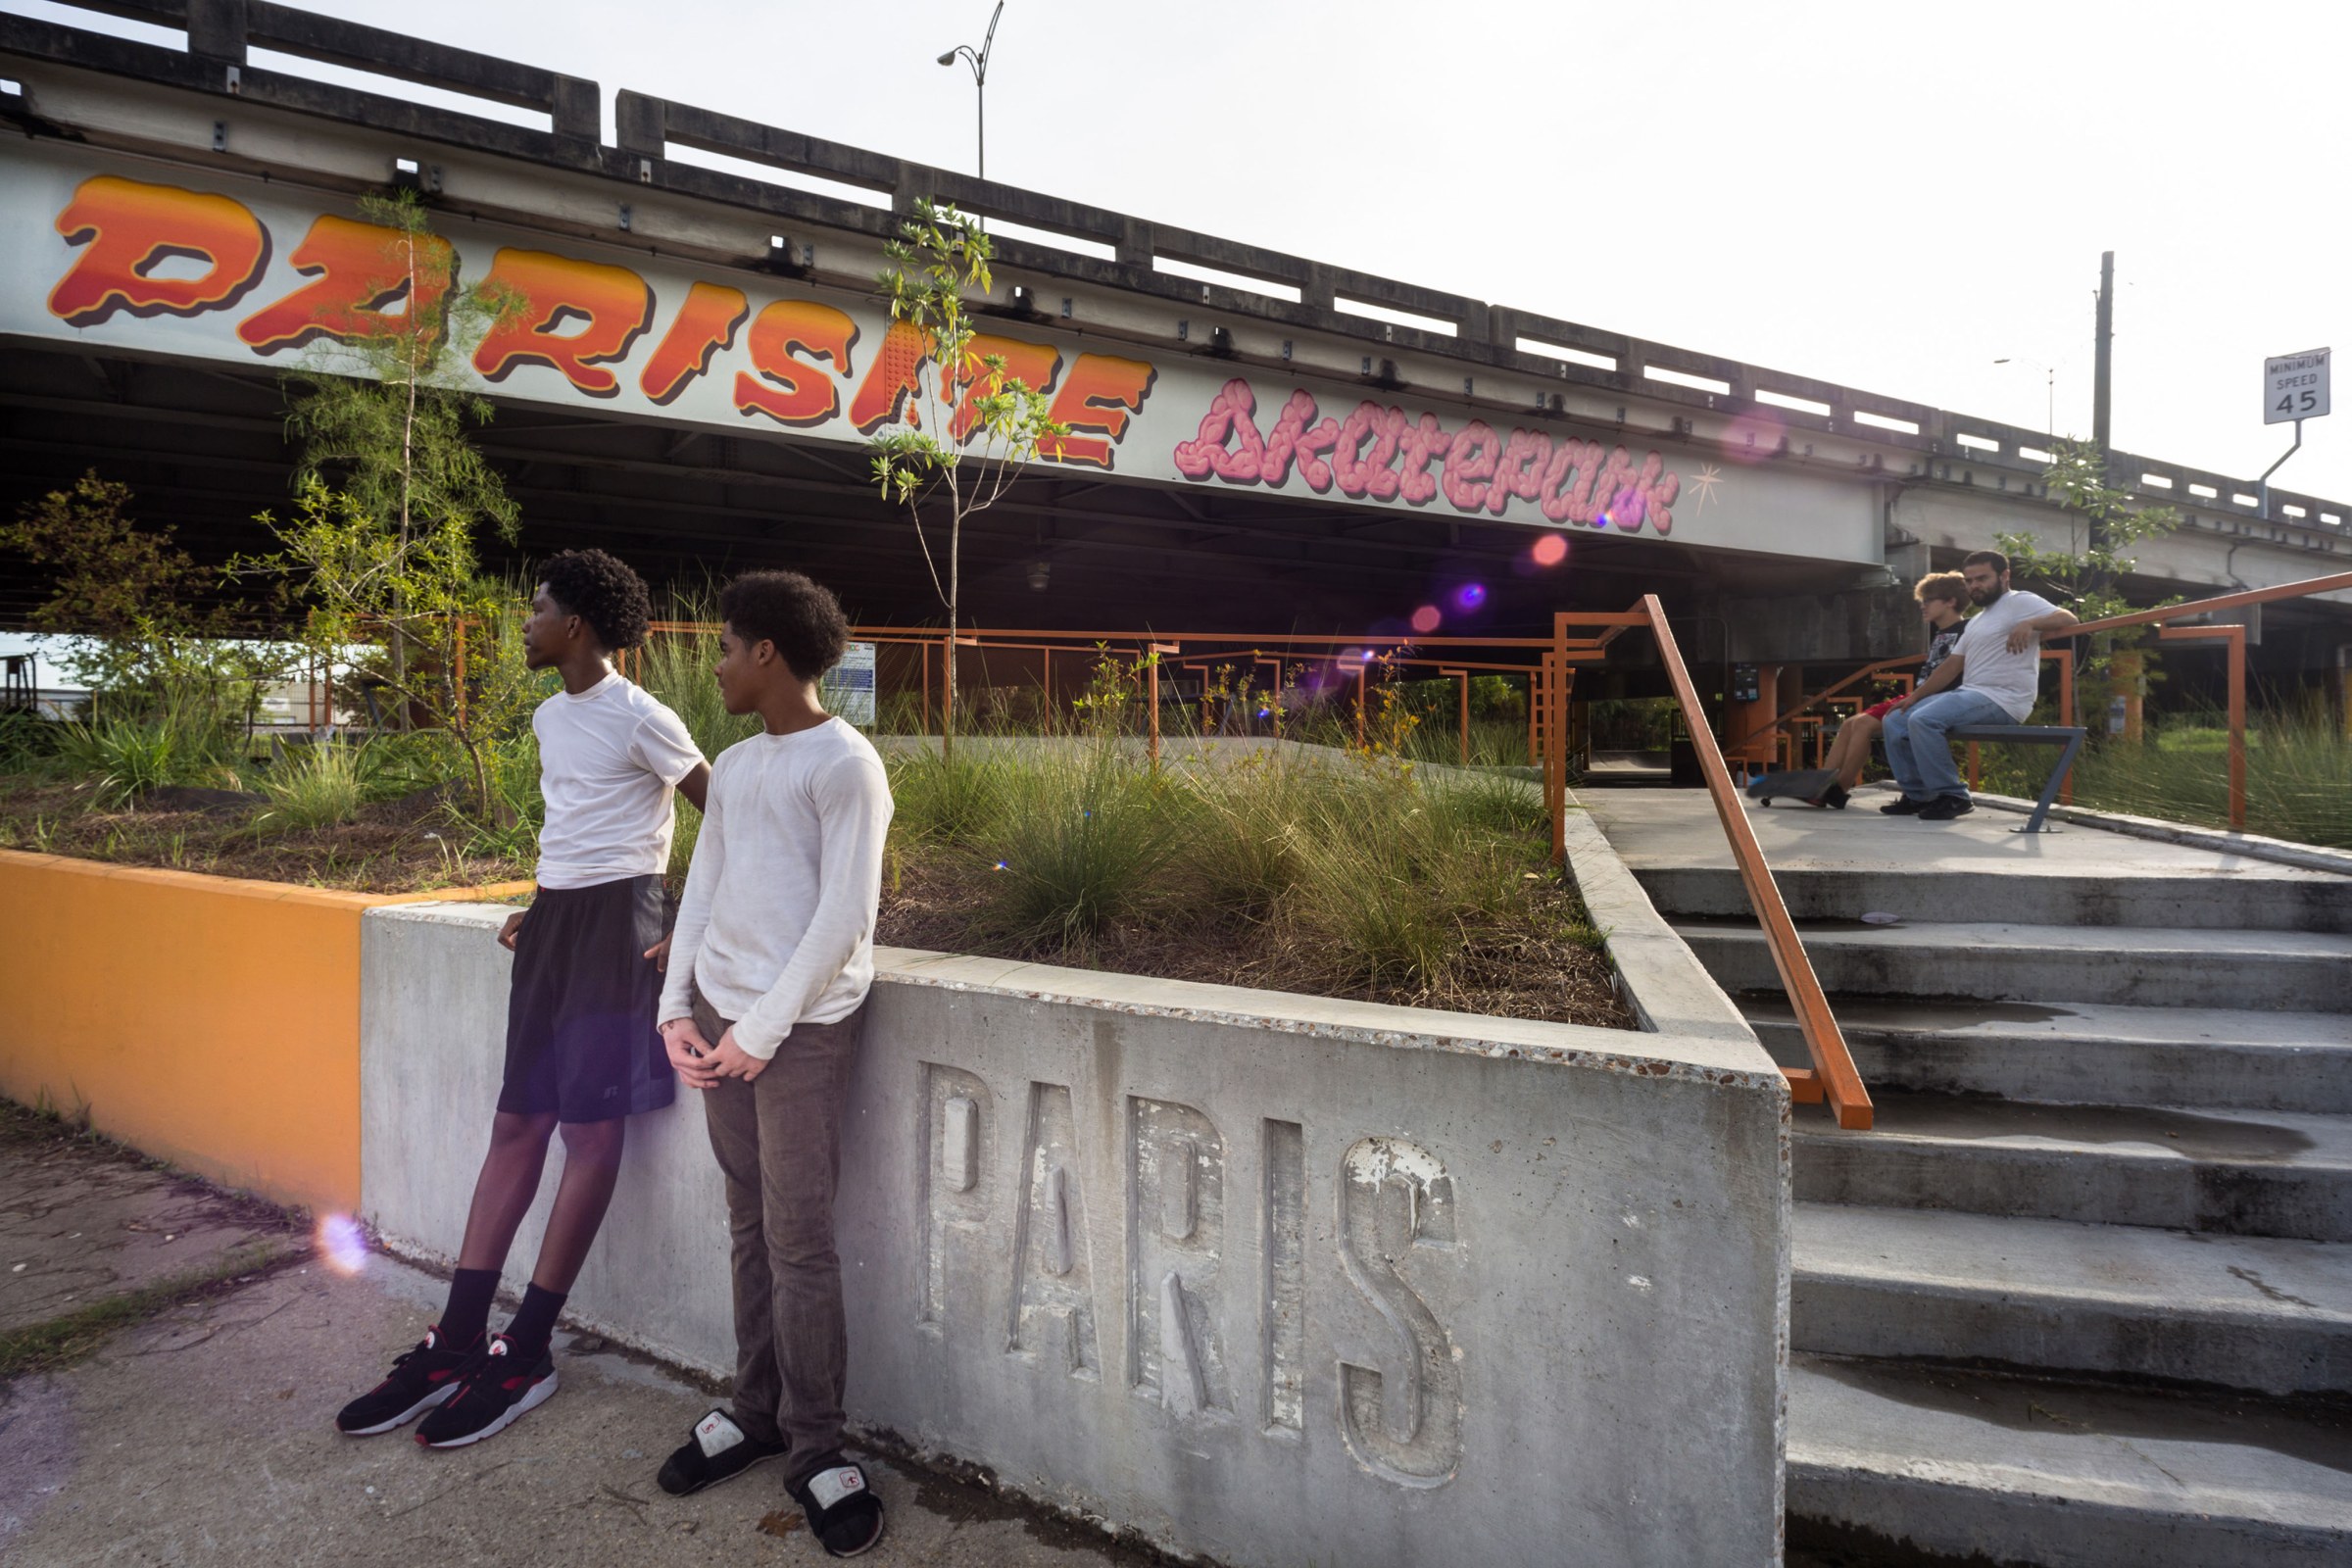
[
  {"x": 321, "y": 785},
  {"x": 124, "y": 760},
  {"x": 1084, "y": 836}
]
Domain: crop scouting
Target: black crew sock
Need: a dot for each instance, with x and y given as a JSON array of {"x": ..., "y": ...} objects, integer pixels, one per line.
[
  {"x": 535, "y": 1322},
  {"x": 467, "y": 1314}
]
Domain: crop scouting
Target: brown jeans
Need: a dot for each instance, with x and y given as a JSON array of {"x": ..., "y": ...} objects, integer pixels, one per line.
[{"x": 778, "y": 1142}]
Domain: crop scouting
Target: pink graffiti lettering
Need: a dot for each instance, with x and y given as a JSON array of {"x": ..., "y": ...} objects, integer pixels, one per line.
[
  {"x": 1372, "y": 475},
  {"x": 1519, "y": 472},
  {"x": 1230, "y": 418},
  {"x": 1424, "y": 443},
  {"x": 1295, "y": 437},
  {"x": 1381, "y": 453},
  {"x": 1470, "y": 465}
]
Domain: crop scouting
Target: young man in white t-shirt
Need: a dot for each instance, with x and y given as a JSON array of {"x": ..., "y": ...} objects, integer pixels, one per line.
[
  {"x": 582, "y": 1052},
  {"x": 773, "y": 955},
  {"x": 1990, "y": 679}
]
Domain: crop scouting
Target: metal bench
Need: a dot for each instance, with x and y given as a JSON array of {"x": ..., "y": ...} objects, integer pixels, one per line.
[{"x": 2069, "y": 736}]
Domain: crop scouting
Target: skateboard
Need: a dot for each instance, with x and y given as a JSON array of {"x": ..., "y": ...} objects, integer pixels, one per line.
[{"x": 1803, "y": 785}]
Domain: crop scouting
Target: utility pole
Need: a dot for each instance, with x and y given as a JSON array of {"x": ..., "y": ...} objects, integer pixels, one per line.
[{"x": 2102, "y": 388}]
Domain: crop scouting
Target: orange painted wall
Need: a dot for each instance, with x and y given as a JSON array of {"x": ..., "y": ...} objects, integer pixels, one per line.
[{"x": 206, "y": 1021}]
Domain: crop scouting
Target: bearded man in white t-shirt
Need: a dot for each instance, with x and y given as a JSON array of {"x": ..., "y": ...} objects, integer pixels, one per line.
[
  {"x": 1990, "y": 679},
  {"x": 582, "y": 1053}
]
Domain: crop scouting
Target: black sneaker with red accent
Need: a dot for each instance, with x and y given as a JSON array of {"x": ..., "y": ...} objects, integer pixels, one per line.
[
  {"x": 420, "y": 1380},
  {"x": 495, "y": 1388}
]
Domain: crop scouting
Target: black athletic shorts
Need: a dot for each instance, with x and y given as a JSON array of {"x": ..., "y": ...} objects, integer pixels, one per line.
[{"x": 580, "y": 1037}]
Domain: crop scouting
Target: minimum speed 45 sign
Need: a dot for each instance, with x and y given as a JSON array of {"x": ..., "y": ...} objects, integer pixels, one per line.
[{"x": 2295, "y": 387}]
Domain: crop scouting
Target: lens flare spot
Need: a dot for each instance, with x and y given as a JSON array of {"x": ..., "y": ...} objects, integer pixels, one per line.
[
  {"x": 1471, "y": 595},
  {"x": 1001, "y": 866},
  {"x": 342, "y": 1245},
  {"x": 1426, "y": 619},
  {"x": 1551, "y": 550}
]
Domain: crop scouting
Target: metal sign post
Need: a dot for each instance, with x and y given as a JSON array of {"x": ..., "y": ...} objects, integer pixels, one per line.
[{"x": 2295, "y": 387}]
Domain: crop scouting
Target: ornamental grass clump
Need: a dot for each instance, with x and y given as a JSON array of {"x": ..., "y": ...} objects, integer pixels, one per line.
[
  {"x": 1084, "y": 837},
  {"x": 948, "y": 800},
  {"x": 316, "y": 786},
  {"x": 1341, "y": 873},
  {"x": 123, "y": 759}
]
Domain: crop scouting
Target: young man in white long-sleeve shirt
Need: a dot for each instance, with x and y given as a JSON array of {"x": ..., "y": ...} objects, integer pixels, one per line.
[{"x": 769, "y": 972}]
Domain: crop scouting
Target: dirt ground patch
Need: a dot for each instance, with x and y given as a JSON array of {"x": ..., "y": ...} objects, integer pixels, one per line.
[
  {"x": 1529, "y": 969},
  {"x": 392, "y": 847}
]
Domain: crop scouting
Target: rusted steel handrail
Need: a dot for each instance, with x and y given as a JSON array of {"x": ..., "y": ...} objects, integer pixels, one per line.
[
  {"x": 1834, "y": 1076},
  {"x": 2235, "y": 637},
  {"x": 2341, "y": 583}
]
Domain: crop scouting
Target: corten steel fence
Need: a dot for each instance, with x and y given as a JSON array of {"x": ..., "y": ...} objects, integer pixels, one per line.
[
  {"x": 1548, "y": 664},
  {"x": 2233, "y": 636}
]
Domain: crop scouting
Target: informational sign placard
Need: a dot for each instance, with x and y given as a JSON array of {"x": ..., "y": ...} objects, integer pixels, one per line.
[
  {"x": 2295, "y": 387},
  {"x": 849, "y": 687}
]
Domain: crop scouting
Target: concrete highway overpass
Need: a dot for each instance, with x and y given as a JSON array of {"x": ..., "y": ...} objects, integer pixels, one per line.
[{"x": 1259, "y": 441}]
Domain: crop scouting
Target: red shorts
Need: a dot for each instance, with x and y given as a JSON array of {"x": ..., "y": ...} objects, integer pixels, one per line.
[{"x": 1879, "y": 711}]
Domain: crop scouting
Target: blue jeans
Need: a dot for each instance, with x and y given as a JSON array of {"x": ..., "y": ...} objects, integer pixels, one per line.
[{"x": 1916, "y": 745}]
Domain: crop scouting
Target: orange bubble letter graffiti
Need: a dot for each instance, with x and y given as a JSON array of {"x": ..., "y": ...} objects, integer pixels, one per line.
[
  {"x": 609, "y": 305},
  {"x": 356, "y": 271},
  {"x": 129, "y": 230},
  {"x": 892, "y": 379},
  {"x": 1031, "y": 364},
  {"x": 704, "y": 325},
  {"x": 1101, "y": 393},
  {"x": 807, "y": 395}
]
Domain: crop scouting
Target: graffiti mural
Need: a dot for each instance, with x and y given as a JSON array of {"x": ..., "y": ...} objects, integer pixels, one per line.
[
  {"x": 1385, "y": 454},
  {"x": 229, "y": 269}
]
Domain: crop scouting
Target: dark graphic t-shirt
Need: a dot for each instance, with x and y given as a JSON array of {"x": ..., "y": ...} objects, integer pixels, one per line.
[{"x": 1941, "y": 646}]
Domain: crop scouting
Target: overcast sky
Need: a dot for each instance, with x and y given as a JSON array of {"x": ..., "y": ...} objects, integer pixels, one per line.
[{"x": 1889, "y": 196}]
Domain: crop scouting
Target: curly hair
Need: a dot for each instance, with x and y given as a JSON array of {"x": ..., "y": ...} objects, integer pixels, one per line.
[
  {"x": 801, "y": 618},
  {"x": 1948, "y": 586},
  {"x": 601, "y": 591}
]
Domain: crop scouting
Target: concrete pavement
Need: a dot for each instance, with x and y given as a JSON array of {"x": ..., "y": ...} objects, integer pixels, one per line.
[{"x": 205, "y": 1434}]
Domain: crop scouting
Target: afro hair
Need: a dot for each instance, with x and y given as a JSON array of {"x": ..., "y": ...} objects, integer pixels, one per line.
[
  {"x": 801, "y": 618},
  {"x": 602, "y": 592}
]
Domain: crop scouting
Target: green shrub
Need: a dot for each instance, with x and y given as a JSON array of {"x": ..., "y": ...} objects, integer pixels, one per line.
[
  {"x": 316, "y": 786},
  {"x": 1082, "y": 837},
  {"x": 123, "y": 759},
  {"x": 946, "y": 799},
  {"x": 1241, "y": 847}
]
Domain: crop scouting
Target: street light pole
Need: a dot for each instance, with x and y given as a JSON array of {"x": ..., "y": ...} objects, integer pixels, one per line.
[{"x": 978, "y": 60}]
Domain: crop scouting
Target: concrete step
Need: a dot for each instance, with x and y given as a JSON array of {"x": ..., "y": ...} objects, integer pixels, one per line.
[
  {"x": 2243, "y": 1313},
  {"x": 2002, "y": 1470},
  {"x": 2148, "y": 966},
  {"x": 2237, "y": 1172},
  {"x": 2084, "y": 1052},
  {"x": 2250, "y": 895}
]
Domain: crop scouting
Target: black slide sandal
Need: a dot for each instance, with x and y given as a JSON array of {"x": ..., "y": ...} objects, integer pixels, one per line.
[
  {"x": 843, "y": 1514},
  {"x": 718, "y": 1450}
]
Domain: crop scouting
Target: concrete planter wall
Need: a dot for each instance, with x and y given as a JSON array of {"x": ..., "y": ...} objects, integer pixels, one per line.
[
  {"x": 207, "y": 1020},
  {"x": 1272, "y": 1279}
]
